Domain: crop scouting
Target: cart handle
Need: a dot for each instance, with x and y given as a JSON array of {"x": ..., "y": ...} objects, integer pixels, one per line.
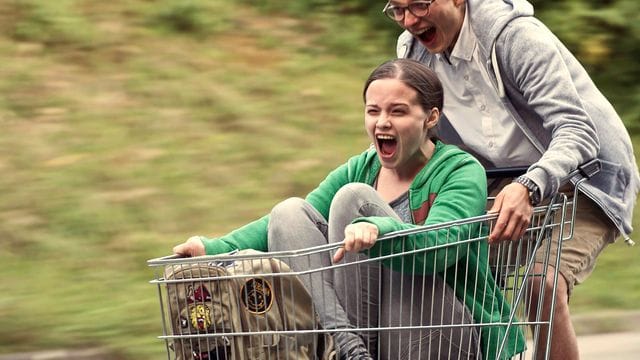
[
  {"x": 168, "y": 257},
  {"x": 506, "y": 172},
  {"x": 586, "y": 171}
]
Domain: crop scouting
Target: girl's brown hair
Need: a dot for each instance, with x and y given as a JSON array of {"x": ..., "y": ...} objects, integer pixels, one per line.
[{"x": 415, "y": 75}]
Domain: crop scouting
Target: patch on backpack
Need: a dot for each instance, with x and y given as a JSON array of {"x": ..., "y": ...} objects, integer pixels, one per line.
[
  {"x": 199, "y": 294},
  {"x": 200, "y": 317},
  {"x": 257, "y": 295}
]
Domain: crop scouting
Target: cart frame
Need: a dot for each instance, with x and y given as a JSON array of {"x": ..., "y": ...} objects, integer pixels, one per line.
[{"x": 511, "y": 267}]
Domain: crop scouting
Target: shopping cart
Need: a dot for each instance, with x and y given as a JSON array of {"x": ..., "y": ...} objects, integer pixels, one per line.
[{"x": 504, "y": 277}]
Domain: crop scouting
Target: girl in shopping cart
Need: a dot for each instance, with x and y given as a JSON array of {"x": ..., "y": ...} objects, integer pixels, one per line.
[{"x": 405, "y": 179}]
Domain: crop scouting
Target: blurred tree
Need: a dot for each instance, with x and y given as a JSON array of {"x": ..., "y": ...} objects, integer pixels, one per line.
[{"x": 605, "y": 36}]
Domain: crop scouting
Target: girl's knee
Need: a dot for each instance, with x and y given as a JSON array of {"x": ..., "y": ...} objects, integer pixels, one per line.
[
  {"x": 287, "y": 209},
  {"x": 279, "y": 219},
  {"x": 294, "y": 223},
  {"x": 352, "y": 192}
]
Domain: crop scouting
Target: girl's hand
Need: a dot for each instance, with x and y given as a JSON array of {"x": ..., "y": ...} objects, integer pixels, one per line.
[
  {"x": 190, "y": 248},
  {"x": 357, "y": 237}
]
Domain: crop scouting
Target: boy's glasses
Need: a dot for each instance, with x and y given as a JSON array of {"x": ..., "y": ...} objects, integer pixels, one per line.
[{"x": 416, "y": 8}]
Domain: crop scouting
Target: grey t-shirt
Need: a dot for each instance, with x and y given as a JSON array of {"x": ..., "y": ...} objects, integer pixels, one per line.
[{"x": 401, "y": 207}]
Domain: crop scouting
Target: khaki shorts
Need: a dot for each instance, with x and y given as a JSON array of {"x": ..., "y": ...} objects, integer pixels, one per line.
[{"x": 593, "y": 231}]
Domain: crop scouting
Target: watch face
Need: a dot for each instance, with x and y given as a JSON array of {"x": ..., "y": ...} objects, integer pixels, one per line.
[{"x": 535, "y": 197}]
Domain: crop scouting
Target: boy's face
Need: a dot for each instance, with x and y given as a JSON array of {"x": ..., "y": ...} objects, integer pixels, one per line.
[{"x": 439, "y": 29}]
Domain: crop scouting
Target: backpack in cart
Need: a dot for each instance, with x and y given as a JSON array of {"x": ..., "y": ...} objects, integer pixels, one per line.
[{"x": 225, "y": 300}]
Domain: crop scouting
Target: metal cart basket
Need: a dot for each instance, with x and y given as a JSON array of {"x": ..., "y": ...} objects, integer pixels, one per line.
[{"x": 273, "y": 317}]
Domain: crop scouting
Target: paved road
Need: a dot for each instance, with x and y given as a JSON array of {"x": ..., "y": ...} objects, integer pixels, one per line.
[
  {"x": 613, "y": 346},
  {"x": 616, "y": 346}
]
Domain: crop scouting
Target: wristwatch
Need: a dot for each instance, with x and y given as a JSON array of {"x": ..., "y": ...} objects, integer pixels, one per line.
[{"x": 534, "y": 191}]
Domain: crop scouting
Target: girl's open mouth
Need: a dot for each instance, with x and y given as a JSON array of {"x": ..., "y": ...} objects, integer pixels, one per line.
[{"x": 387, "y": 145}]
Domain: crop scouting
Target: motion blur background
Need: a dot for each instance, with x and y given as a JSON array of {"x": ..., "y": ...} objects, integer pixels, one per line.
[{"x": 127, "y": 126}]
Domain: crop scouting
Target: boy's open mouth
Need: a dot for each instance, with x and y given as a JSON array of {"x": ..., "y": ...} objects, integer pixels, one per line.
[{"x": 428, "y": 35}]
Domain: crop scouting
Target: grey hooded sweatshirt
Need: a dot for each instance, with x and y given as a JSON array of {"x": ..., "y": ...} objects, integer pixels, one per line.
[{"x": 553, "y": 100}]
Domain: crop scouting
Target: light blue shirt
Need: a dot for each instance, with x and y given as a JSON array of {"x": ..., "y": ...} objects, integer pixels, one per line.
[{"x": 474, "y": 109}]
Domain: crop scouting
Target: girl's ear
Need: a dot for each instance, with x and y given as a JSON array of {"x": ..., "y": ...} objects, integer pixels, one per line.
[{"x": 433, "y": 118}]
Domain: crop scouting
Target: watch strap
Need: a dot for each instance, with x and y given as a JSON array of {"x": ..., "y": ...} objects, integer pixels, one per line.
[{"x": 534, "y": 190}]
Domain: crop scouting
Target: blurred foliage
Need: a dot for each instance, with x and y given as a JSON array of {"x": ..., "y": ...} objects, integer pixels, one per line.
[
  {"x": 192, "y": 16},
  {"x": 49, "y": 22},
  {"x": 129, "y": 125},
  {"x": 605, "y": 36},
  {"x": 350, "y": 27}
]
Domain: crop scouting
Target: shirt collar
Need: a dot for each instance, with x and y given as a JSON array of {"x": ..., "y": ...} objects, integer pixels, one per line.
[{"x": 465, "y": 45}]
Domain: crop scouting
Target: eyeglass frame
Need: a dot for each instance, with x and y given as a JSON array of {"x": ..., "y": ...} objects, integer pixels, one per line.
[{"x": 405, "y": 8}]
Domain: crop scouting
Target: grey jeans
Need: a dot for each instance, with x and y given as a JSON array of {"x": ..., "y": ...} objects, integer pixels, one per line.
[{"x": 370, "y": 295}]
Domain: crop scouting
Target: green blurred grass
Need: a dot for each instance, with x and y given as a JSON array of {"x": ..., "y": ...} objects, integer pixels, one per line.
[{"x": 129, "y": 126}]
